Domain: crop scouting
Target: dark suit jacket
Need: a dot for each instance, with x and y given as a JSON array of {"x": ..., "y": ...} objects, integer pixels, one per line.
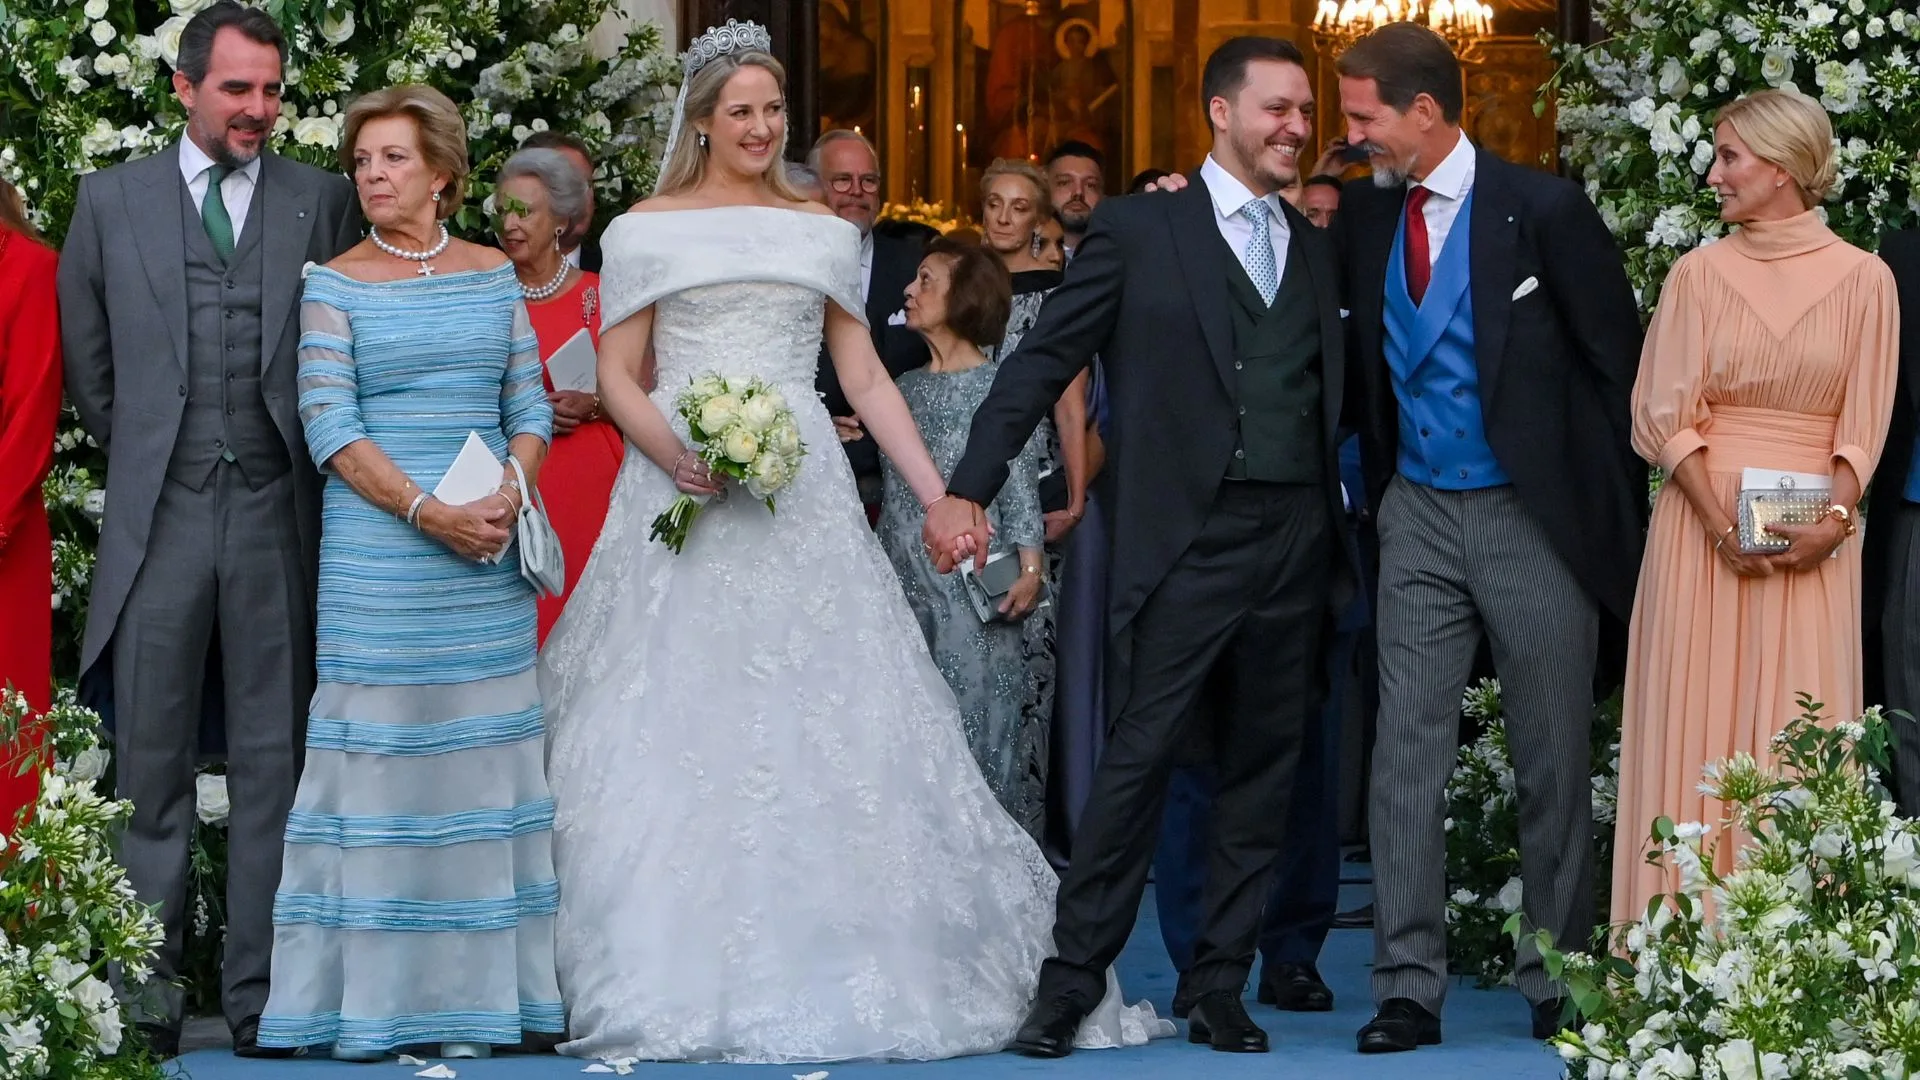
[
  {"x": 896, "y": 259},
  {"x": 1147, "y": 292},
  {"x": 1901, "y": 251},
  {"x": 1556, "y": 366}
]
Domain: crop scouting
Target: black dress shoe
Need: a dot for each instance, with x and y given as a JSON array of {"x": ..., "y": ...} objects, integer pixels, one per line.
[
  {"x": 1219, "y": 1020},
  {"x": 246, "y": 1042},
  {"x": 162, "y": 1041},
  {"x": 1400, "y": 1025},
  {"x": 1360, "y": 918},
  {"x": 1294, "y": 988},
  {"x": 1183, "y": 998},
  {"x": 1550, "y": 1018},
  {"x": 1050, "y": 1026}
]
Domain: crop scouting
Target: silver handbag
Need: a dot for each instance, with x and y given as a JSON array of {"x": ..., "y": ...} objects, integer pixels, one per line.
[
  {"x": 542, "y": 562},
  {"x": 1768, "y": 498}
]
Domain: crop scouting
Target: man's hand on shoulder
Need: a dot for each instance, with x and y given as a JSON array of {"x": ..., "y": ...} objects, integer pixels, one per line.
[{"x": 1169, "y": 182}]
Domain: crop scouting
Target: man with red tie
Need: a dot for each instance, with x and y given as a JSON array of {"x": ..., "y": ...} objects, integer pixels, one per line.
[{"x": 1492, "y": 368}]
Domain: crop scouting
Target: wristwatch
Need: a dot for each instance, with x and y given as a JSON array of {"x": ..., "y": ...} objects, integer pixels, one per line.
[{"x": 1846, "y": 518}]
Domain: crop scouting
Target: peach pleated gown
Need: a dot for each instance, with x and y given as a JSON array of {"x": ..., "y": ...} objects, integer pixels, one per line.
[{"x": 1773, "y": 348}]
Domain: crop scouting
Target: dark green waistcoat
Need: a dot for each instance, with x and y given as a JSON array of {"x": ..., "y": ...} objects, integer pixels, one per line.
[{"x": 1277, "y": 362}]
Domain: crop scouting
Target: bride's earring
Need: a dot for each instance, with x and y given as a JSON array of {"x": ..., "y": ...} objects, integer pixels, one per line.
[{"x": 703, "y": 140}]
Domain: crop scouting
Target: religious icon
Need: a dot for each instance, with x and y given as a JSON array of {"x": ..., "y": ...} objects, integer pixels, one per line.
[
  {"x": 1049, "y": 80},
  {"x": 849, "y": 65}
]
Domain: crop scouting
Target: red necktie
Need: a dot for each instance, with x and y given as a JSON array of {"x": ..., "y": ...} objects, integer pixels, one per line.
[{"x": 1419, "y": 262}]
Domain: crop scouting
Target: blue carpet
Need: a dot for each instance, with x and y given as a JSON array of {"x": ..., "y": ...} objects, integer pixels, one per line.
[{"x": 1486, "y": 1032}]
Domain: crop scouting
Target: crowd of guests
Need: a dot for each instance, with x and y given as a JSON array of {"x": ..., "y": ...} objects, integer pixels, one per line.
[{"x": 227, "y": 331}]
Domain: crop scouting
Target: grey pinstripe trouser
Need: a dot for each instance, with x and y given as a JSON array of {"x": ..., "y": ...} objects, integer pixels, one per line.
[{"x": 1455, "y": 564}]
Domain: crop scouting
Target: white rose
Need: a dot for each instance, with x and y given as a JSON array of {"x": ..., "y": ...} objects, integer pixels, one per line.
[
  {"x": 1673, "y": 78},
  {"x": 719, "y": 413},
  {"x": 95, "y": 9},
  {"x": 770, "y": 473},
  {"x": 1776, "y": 68},
  {"x": 1820, "y": 15},
  {"x": 210, "y": 798},
  {"x": 1509, "y": 898},
  {"x": 520, "y": 132},
  {"x": 1670, "y": 1062},
  {"x": 1641, "y": 112},
  {"x": 539, "y": 124},
  {"x": 100, "y": 141},
  {"x": 566, "y": 35},
  {"x": 106, "y": 1028},
  {"x": 168, "y": 35},
  {"x": 1876, "y": 27},
  {"x": 1829, "y": 845},
  {"x": 336, "y": 29},
  {"x": 103, "y": 34},
  {"x": 1738, "y": 1060},
  {"x": 452, "y": 60},
  {"x": 784, "y": 439},
  {"x": 1851, "y": 39},
  {"x": 758, "y": 414},
  {"x": 1901, "y": 856},
  {"x": 741, "y": 445},
  {"x": 319, "y": 131},
  {"x": 103, "y": 64}
]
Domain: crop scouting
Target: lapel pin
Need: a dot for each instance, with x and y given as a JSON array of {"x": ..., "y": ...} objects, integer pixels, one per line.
[
  {"x": 303, "y": 213},
  {"x": 1509, "y": 218}
]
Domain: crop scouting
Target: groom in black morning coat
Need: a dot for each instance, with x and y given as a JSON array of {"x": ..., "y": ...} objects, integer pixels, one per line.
[{"x": 1215, "y": 314}]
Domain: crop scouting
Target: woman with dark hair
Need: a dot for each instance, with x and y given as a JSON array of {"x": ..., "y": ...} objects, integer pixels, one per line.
[
  {"x": 29, "y": 411},
  {"x": 958, "y": 302}
]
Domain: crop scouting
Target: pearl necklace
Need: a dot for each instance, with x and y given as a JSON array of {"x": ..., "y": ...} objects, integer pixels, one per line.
[
  {"x": 542, "y": 292},
  {"x": 420, "y": 257}
]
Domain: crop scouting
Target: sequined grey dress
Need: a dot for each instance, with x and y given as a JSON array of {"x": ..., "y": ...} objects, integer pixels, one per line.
[{"x": 984, "y": 663}]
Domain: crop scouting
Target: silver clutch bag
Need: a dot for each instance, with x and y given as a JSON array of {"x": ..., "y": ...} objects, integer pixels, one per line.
[
  {"x": 542, "y": 562},
  {"x": 1769, "y": 497}
]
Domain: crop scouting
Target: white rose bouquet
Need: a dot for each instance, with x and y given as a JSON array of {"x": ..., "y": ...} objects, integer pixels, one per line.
[{"x": 744, "y": 431}]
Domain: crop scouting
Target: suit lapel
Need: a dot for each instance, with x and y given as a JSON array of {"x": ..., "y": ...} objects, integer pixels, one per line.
[
  {"x": 286, "y": 218},
  {"x": 1203, "y": 259},
  {"x": 1496, "y": 243},
  {"x": 155, "y": 196}
]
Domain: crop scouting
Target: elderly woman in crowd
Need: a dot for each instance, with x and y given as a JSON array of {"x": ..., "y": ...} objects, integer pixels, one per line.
[
  {"x": 958, "y": 302},
  {"x": 538, "y": 203},
  {"x": 1773, "y": 349},
  {"x": 417, "y": 894}
]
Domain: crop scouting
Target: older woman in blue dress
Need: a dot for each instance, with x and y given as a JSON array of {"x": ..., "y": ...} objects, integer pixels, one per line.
[{"x": 417, "y": 893}]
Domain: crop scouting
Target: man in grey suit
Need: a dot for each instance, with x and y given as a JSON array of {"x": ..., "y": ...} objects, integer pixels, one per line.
[{"x": 179, "y": 285}]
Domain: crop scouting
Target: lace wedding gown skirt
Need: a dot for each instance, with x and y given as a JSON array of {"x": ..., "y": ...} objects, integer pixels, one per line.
[{"x": 772, "y": 842}]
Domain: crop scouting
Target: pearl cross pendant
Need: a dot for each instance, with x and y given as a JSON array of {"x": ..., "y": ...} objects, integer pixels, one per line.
[{"x": 425, "y": 270}]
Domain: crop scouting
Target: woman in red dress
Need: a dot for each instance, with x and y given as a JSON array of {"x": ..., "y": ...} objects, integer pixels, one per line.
[
  {"x": 29, "y": 413},
  {"x": 541, "y": 194}
]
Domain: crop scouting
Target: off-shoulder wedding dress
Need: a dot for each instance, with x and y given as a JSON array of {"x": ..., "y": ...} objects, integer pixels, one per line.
[{"x": 772, "y": 842}]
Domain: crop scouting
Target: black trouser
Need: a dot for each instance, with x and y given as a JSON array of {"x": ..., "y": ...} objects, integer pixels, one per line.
[{"x": 1250, "y": 594}]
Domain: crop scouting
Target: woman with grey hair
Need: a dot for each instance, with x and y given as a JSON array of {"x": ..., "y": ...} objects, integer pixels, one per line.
[{"x": 541, "y": 197}]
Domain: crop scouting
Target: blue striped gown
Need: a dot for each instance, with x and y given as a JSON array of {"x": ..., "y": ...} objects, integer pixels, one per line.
[{"x": 417, "y": 892}]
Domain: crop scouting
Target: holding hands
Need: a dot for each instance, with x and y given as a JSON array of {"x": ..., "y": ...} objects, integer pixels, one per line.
[{"x": 956, "y": 530}]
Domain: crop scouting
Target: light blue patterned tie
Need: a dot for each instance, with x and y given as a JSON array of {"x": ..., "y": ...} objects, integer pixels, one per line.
[{"x": 1260, "y": 267}]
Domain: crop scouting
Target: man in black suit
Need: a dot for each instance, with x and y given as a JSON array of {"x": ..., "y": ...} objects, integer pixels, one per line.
[
  {"x": 849, "y": 172},
  {"x": 1215, "y": 314},
  {"x": 1495, "y": 342},
  {"x": 1891, "y": 571}
]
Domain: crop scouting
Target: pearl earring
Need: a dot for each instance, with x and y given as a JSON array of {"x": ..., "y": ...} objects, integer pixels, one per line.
[
  {"x": 557, "y": 234},
  {"x": 436, "y": 196},
  {"x": 703, "y": 140}
]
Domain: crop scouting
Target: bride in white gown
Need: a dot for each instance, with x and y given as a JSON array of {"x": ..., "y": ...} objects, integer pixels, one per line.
[{"x": 772, "y": 842}]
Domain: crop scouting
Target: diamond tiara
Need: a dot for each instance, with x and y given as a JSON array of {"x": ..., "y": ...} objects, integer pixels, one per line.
[{"x": 735, "y": 36}]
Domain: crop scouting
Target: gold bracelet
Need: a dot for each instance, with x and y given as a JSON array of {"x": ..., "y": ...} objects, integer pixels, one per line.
[{"x": 1724, "y": 535}]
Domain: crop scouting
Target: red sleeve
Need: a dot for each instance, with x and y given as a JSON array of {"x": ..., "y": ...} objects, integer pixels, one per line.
[{"x": 29, "y": 378}]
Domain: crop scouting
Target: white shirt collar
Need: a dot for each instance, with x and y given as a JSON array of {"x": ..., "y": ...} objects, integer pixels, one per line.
[
  {"x": 1453, "y": 177},
  {"x": 1229, "y": 194},
  {"x": 194, "y": 161}
]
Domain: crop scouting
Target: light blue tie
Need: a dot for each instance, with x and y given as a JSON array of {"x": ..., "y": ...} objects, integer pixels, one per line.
[{"x": 1260, "y": 266}]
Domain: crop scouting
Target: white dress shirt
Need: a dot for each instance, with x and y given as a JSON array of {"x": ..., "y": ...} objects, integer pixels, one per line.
[
  {"x": 1449, "y": 182},
  {"x": 572, "y": 258},
  {"x": 236, "y": 191},
  {"x": 1229, "y": 195}
]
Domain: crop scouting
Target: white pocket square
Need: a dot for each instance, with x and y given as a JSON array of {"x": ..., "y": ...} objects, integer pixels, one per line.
[
  {"x": 898, "y": 318},
  {"x": 1526, "y": 287}
]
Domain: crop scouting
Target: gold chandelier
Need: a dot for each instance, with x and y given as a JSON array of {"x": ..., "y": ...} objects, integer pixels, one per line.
[{"x": 1463, "y": 23}]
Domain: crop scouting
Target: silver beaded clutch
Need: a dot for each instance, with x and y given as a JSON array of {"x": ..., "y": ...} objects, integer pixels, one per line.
[{"x": 1769, "y": 497}]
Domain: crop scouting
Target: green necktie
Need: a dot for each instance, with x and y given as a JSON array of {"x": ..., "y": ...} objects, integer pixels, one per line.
[{"x": 213, "y": 213}]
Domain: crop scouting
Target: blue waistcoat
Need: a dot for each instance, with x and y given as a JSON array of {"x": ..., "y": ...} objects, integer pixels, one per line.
[{"x": 1436, "y": 377}]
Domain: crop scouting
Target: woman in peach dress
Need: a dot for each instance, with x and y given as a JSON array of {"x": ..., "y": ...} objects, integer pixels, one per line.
[{"x": 1774, "y": 349}]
